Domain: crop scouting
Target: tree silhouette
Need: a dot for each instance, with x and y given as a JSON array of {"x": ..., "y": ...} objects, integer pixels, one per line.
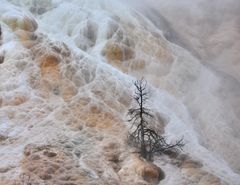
[
  {"x": 0, "y": 34},
  {"x": 142, "y": 136},
  {"x": 1, "y": 56}
]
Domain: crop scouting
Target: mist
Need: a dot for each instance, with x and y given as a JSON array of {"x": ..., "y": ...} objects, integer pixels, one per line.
[
  {"x": 210, "y": 31},
  {"x": 74, "y": 61}
]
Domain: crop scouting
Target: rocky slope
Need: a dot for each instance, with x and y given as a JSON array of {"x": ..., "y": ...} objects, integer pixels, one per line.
[{"x": 66, "y": 74}]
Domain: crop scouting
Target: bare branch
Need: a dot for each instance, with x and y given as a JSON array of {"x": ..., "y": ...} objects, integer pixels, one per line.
[{"x": 143, "y": 137}]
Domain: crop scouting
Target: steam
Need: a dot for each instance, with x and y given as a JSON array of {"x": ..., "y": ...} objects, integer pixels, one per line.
[
  {"x": 210, "y": 31},
  {"x": 189, "y": 54}
]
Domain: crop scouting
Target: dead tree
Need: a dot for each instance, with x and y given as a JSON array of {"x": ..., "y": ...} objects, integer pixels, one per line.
[
  {"x": 0, "y": 35},
  {"x": 142, "y": 136},
  {"x": 1, "y": 55}
]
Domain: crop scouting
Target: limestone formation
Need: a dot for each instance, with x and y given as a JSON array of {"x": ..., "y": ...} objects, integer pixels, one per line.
[
  {"x": 23, "y": 23},
  {"x": 66, "y": 72}
]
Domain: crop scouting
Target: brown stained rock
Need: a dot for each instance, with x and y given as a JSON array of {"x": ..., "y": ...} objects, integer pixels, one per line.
[
  {"x": 28, "y": 149},
  {"x": 50, "y": 68},
  {"x": 193, "y": 170},
  {"x": 68, "y": 167},
  {"x": 65, "y": 177},
  {"x": 137, "y": 64},
  {"x": 50, "y": 170},
  {"x": 164, "y": 55},
  {"x": 149, "y": 171},
  {"x": 32, "y": 148},
  {"x": 209, "y": 180},
  {"x": 22, "y": 23},
  {"x": 153, "y": 46},
  {"x": 34, "y": 157},
  {"x": 191, "y": 164},
  {"x": 112, "y": 152},
  {"x": 114, "y": 157},
  {"x": 94, "y": 117},
  {"x": 17, "y": 100},
  {"x": 45, "y": 176},
  {"x": 52, "y": 59},
  {"x": 121, "y": 53},
  {"x": 28, "y": 39},
  {"x": 3, "y": 137},
  {"x": 49, "y": 153},
  {"x": 69, "y": 183},
  {"x": 117, "y": 52},
  {"x": 51, "y": 165},
  {"x": 68, "y": 90},
  {"x": 128, "y": 53},
  {"x": 201, "y": 177},
  {"x": 113, "y": 52},
  {"x": 1, "y": 59},
  {"x": 55, "y": 166},
  {"x": 50, "y": 74},
  {"x": 116, "y": 167},
  {"x": 61, "y": 48},
  {"x": 32, "y": 168}
]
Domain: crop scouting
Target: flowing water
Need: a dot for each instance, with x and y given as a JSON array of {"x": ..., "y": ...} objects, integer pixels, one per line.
[{"x": 114, "y": 42}]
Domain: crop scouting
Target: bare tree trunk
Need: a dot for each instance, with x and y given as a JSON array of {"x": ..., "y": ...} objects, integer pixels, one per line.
[
  {"x": 143, "y": 146},
  {"x": 143, "y": 136}
]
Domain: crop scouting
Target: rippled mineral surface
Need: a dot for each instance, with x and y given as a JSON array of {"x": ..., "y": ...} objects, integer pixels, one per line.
[{"x": 67, "y": 69}]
